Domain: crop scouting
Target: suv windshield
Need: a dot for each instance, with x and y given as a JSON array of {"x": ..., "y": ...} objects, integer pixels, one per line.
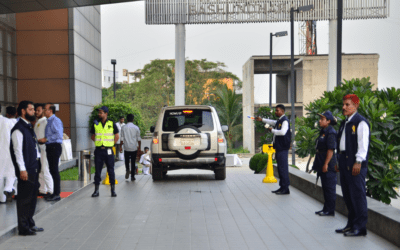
[{"x": 201, "y": 119}]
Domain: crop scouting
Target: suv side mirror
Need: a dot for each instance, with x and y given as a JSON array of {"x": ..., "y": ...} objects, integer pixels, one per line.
[
  {"x": 152, "y": 128},
  {"x": 225, "y": 128}
]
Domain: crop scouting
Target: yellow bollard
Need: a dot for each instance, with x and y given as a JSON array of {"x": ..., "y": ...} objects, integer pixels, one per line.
[
  {"x": 269, "y": 176},
  {"x": 106, "y": 181}
]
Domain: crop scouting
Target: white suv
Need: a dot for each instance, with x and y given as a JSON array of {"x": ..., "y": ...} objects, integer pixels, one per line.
[{"x": 187, "y": 137}]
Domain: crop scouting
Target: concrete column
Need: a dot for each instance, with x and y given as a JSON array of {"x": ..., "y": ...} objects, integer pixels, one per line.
[
  {"x": 248, "y": 106},
  {"x": 332, "y": 55},
  {"x": 180, "y": 36}
]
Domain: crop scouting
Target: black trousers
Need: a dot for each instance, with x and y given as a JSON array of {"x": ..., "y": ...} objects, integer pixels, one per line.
[
  {"x": 283, "y": 168},
  {"x": 26, "y": 201},
  {"x": 104, "y": 155},
  {"x": 130, "y": 156},
  {"x": 53, "y": 151}
]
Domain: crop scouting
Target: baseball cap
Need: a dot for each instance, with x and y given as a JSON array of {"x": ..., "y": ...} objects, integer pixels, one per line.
[
  {"x": 328, "y": 115},
  {"x": 104, "y": 108}
]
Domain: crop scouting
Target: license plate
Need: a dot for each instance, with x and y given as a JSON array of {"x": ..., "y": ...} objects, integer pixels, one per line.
[{"x": 188, "y": 141}]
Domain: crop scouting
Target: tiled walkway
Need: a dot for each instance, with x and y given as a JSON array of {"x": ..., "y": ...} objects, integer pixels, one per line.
[{"x": 191, "y": 210}]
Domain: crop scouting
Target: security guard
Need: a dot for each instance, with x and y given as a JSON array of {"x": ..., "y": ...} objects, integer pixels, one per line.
[
  {"x": 104, "y": 134},
  {"x": 325, "y": 161},
  {"x": 353, "y": 151},
  {"x": 281, "y": 144}
]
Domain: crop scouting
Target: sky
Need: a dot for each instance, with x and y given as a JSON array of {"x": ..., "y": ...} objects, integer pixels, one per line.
[{"x": 126, "y": 38}]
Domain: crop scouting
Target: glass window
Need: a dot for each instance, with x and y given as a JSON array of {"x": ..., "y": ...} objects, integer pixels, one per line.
[{"x": 201, "y": 119}]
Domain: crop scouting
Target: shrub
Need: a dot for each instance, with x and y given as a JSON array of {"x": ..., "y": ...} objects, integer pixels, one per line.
[
  {"x": 262, "y": 163},
  {"x": 382, "y": 109},
  {"x": 258, "y": 162},
  {"x": 239, "y": 150},
  {"x": 117, "y": 109}
]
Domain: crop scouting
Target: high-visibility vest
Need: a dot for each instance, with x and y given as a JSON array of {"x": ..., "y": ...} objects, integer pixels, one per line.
[{"x": 104, "y": 136}]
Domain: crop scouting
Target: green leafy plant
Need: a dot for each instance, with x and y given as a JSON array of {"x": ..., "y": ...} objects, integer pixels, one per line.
[
  {"x": 258, "y": 162},
  {"x": 239, "y": 150},
  {"x": 117, "y": 109},
  {"x": 382, "y": 109},
  {"x": 264, "y": 112}
]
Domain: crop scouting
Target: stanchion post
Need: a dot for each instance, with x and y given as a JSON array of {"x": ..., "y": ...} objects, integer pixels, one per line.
[{"x": 269, "y": 174}]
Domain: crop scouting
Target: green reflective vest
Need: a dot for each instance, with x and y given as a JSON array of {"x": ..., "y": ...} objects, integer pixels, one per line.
[{"x": 104, "y": 136}]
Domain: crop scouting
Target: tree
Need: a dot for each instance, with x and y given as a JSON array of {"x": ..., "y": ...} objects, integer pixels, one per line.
[
  {"x": 157, "y": 87},
  {"x": 229, "y": 108}
]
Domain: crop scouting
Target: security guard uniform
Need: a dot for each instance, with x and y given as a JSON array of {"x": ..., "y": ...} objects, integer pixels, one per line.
[
  {"x": 104, "y": 142},
  {"x": 353, "y": 187},
  {"x": 327, "y": 141}
]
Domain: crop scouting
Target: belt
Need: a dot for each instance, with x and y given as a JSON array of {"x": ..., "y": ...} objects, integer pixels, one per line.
[
  {"x": 342, "y": 152},
  {"x": 104, "y": 147}
]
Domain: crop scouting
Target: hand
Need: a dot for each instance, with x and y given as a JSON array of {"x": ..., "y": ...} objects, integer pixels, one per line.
[
  {"x": 325, "y": 168},
  {"x": 24, "y": 175},
  {"x": 43, "y": 140},
  {"x": 336, "y": 168},
  {"x": 270, "y": 129},
  {"x": 258, "y": 119},
  {"x": 120, "y": 150},
  {"x": 356, "y": 169}
]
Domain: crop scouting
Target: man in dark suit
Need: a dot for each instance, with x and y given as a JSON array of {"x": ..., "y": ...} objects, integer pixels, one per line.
[
  {"x": 25, "y": 154},
  {"x": 353, "y": 151},
  {"x": 281, "y": 144}
]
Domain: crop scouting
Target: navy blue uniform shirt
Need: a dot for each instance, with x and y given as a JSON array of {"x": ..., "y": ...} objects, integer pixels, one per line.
[{"x": 325, "y": 141}]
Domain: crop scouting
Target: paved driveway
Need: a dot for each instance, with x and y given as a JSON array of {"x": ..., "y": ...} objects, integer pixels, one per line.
[{"x": 191, "y": 210}]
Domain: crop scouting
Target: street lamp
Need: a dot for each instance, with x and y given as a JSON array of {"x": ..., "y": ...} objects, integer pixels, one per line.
[
  {"x": 339, "y": 43},
  {"x": 292, "y": 90},
  {"x": 113, "y": 62},
  {"x": 277, "y": 34}
]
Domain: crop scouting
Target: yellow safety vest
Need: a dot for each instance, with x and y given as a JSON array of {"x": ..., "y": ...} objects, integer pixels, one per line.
[{"x": 104, "y": 136}]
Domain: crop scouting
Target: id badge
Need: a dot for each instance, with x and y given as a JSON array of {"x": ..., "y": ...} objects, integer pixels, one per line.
[{"x": 109, "y": 151}]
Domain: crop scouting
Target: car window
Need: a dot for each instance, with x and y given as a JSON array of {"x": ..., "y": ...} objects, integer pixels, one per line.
[{"x": 201, "y": 119}]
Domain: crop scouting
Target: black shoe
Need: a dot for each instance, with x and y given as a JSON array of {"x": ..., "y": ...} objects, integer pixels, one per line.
[
  {"x": 127, "y": 174},
  {"x": 356, "y": 232},
  {"x": 37, "y": 229},
  {"x": 318, "y": 212},
  {"x": 283, "y": 191},
  {"x": 53, "y": 198},
  {"x": 343, "y": 230},
  {"x": 113, "y": 194},
  {"x": 9, "y": 195},
  {"x": 96, "y": 191},
  {"x": 43, "y": 195},
  {"x": 27, "y": 233},
  {"x": 133, "y": 178},
  {"x": 278, "y": 190},
  {"x": 327, "y": 214}
]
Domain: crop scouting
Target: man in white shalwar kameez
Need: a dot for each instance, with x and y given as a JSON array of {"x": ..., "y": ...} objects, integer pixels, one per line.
[
  {"x": 45, "y": 178},
  {"x": 145, "y": 161},
  {"x": 7, "y": 172}
]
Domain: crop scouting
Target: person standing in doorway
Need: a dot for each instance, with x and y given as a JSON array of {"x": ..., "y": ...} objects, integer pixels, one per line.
[
  {"x": 130, "y": 138},
  {"x": 104, "y": 134},
  {"x": 325, "y": 161},
  {"x": 281, "y": 144},
  {"x": 118, "y": 146},
  {"x": 353, "y": 145},
  {"x": 53, "y": 139},
  {"x": 25, "y": 154},
  {"x": 45, "y": 178}
]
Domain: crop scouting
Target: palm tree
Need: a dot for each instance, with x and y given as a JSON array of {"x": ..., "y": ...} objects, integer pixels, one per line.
[{"x": 229, "y": 107}]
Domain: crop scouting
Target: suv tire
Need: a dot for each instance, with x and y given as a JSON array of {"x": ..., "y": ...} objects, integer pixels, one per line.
[
  {"x": 157, "y": 174},
  {"x": 220, "y": 174}
]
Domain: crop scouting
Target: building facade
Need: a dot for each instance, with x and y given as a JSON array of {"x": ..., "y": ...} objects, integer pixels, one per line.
[{"x": 107, "y": 77}]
